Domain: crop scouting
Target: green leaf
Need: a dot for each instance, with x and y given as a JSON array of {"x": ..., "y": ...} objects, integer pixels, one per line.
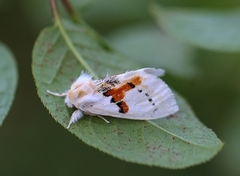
[
  {"x": 213, "y": 30},
  {"x": 155, "y": 49},
  {"x": 8, "y": 81},
  {"x": 177, "y": 141}
]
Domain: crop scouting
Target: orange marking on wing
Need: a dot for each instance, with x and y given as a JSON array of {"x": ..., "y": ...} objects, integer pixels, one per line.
[
  {"x": 119, "y": 93},
  {"x": 136, "y": 80},
  {"x": 124, "y": 107}
]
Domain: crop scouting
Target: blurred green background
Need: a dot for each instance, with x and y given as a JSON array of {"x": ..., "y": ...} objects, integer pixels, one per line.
[{"x": 32, "y": 143}]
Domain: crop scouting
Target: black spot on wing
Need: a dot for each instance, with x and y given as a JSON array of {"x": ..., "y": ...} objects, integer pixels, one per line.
[
  {"x": 131, "y": 85},
  {"x": 119, "y": 104},
  {"x": 107, "y": 83},
  {"x": 104, "y": 89},
  {"x": 105, "y": 94},
  {"x": 112, "y": 100},
  {"x": 112, "y": 81},
  {"x": 123, "y": 107}
]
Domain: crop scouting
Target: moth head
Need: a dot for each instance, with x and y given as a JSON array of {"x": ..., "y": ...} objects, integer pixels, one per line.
[{"x": 81, "y": 88}]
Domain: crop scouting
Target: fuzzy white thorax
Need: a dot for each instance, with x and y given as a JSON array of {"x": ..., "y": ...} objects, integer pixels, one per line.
[{"x": 82, "y": 87}]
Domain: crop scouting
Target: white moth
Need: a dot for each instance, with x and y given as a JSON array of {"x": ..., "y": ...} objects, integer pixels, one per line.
[{"x": 135, "y": 95}]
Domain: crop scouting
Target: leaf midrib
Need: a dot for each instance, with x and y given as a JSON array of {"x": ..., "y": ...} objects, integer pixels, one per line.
[
  {"x": 72, "y": 48},
  {"x": 179, "y": 137}
]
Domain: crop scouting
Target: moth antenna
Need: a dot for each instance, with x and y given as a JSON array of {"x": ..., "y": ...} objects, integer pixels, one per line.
[{"x": 57, "y": 94}]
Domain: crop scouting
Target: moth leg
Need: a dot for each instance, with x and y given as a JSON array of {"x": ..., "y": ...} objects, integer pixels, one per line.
[
  {"x": 101, "y": 117},
  {"x": 76, "y": 115},
  {"x": 57, "y": 94}
]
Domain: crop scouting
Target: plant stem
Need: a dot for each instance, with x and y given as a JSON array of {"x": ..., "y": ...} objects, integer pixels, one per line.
[
  {"x": 54, "y": 9},
  {"x": 67, "y": 39},
  {"x": 73, "y": 14}
]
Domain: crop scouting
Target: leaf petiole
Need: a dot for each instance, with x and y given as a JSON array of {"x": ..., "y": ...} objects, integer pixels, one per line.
[{"x": 67, "y": 39}]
